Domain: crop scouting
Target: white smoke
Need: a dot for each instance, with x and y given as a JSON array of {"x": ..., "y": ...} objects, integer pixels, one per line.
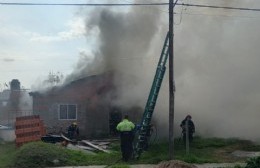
[{"x": 216, "y": 64}]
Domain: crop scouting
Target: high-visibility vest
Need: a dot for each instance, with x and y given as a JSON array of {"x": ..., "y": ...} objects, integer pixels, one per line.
[{"x": 125, "y": 125}]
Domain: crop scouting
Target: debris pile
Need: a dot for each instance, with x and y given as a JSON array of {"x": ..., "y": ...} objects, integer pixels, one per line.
[
  {"x": 88, "y": 146},
  {"x": 245, "y": 154},
  {"x": 174, "y": 164}
]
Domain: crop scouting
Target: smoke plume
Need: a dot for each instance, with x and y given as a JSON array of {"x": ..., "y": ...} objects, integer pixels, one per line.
[
  {"x": 124, "y": 40},
  {"x": 216, "y": 64}
]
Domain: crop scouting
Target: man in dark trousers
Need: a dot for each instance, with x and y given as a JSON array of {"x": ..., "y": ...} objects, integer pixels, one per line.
[
  {"x": 191, "y": 128},
  {"x": 126, "y": 129}
]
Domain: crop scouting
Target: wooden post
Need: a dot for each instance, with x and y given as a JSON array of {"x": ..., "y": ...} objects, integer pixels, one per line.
[
  {"x": 187, "y": 137},
  {"x": 171, "y": 83}
]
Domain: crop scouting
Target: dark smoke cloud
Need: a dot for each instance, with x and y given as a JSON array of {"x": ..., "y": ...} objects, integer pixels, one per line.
[
  {"x": 216, "y": 65},
  {"x": 124, "y": 40}
]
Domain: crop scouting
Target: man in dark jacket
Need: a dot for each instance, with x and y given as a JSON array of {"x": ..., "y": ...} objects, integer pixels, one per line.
[
  {"x": 73, "y": 131},
  {"x": 191, "y": 128},
  {"x": 126, "y": 129}
]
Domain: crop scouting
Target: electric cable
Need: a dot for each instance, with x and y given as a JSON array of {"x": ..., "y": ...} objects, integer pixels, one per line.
[
  {"x": 130, "y": 4},
  {"x": 81, "y": 4},
  {"x": 220, "y": 7}
]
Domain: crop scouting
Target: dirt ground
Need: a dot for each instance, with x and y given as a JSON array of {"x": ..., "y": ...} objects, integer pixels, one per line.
[
  {"x": 207, "y": 165},
  {"x": 174, "y": 164}
]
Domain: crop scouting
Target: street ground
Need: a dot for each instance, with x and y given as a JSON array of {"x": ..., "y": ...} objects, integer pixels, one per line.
[
  {"x": 220, "y": 153},
  {"x": 207, "y": 165}
]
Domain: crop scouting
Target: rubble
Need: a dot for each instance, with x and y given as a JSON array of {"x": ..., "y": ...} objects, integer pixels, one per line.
[
  {"x": 95, "y": 146},
  {"x": 77, "y": 148},
  {"x": 245, "y": 154},
  {"x": 87, "y": 146}
]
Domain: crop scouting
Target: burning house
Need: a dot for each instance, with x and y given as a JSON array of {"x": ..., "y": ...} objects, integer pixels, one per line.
[{"x": 86, "y": 101}]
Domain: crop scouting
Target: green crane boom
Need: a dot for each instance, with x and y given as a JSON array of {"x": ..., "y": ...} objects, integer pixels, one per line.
[{"x": 150, "y": 104}]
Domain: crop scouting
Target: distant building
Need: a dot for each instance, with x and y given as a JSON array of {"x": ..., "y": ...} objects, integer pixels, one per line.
[
  {"x": 4, "y": 99},
  {"x": 12, "y": 104}
]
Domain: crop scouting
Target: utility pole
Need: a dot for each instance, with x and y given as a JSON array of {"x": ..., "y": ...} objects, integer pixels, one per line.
[{"x": 171, "y": 81}]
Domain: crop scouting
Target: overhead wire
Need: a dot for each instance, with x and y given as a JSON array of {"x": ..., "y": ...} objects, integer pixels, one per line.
[
  {"x": 129, "y": 4},
  {"x": 219, "y": 7},
  {"x": 81, "y": 4},
  {"x": 218, "y": 15},
  {"x": 159, "y": 10},
  {"x": 180, "y": 16}
]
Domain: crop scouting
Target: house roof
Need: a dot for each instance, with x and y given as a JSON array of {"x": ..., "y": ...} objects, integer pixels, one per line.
[{"x": 102, "y": 80}]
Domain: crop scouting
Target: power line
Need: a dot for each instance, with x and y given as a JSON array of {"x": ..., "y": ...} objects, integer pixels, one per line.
[
  {"x": 218, "y": 15},
  {"x": 159, "y": 10},
  {"x": 219, "y": 7},
  {"x": 128, "y": 4},
  {"x": 81, "y": 4}
]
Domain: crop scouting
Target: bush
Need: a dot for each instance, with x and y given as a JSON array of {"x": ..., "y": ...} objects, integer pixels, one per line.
[
  {"x": 39, "y": 154},
  {"x": 253, "y": 162}
]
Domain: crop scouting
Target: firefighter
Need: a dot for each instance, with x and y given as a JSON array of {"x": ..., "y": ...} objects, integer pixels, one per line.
[
  {"x": 191, "y": 128},
  {"x": 126, "y": 129},
  {"x": 73, "y": 131}
]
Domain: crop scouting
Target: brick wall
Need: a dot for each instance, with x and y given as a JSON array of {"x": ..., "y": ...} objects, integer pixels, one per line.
[
  {"x": 92, "y": 106},
  {"x": 28, "y": 129}
]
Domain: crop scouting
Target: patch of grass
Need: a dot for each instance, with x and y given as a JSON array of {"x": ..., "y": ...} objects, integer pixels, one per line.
[
  {"x": 155, "y": 154},
  {"x": 39, "y": 154},
  {"x": 104, "y": 158},
  {"x": 120, "y": 166},
  {"x": 202, "y": 150},
  {"x": 248, "y": 146},
  {"x": 7, "y": 150},
  {"x": 213, "y": 142}
]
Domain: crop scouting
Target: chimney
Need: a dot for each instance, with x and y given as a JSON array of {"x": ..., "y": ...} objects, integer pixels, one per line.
[{"x": 15, "y": 85}]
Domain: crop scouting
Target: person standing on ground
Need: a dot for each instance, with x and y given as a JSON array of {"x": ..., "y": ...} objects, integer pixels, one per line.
[
  {"x": 126, "y": 127},
  {"x": 191, "y": 128},
  {"x": 73, "y": 131}
]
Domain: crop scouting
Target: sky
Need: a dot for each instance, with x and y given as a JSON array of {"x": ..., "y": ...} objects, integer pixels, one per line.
[
  {"x": 216, "y": 56},
  {"x": 35, "y": 40}
]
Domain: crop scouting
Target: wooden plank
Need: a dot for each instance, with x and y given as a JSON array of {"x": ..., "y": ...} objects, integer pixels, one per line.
[
  {"x": 100, "y": 143},
  {"x": 67, "y": 139},
  {"x": 85, "y": 147},
  {"x": 105, "y": 140},
  {"x": 95, "y": 146},
  {"x": 104, "y": 147}
]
